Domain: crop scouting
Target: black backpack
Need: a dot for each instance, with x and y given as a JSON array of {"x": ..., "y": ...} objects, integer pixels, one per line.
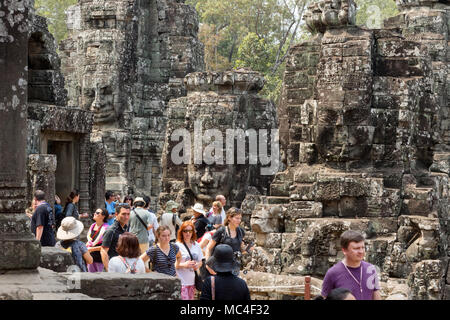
[{"x": 174, "y": 222}]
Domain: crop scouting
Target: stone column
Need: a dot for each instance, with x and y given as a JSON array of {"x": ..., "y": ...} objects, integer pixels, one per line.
[
  {"x": 18, "y": 248},
  {"x": 42, "y": 168},
  {"x": 84, "y": 174}
]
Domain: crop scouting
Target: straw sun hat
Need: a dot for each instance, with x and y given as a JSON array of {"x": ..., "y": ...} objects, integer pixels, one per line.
[{"x": 70, "y": 229}]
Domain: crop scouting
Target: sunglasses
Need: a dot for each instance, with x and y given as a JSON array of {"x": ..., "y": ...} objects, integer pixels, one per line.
[
  {"x": 98, "y": 212},
  {"x": 186, "y": 231}
]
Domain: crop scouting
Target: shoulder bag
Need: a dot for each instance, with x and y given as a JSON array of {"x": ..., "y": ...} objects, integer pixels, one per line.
[
  {"x": 198, "y": 278},
  {"x": 142, "y": 221},
  {"x": 213, "y": 288}
]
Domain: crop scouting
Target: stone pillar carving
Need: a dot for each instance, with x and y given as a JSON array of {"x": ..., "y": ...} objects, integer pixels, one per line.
[
  {"x": 84, "y": 173},
  {"x": 19, "y": 249},
  {"x": 42, "y": 169}
]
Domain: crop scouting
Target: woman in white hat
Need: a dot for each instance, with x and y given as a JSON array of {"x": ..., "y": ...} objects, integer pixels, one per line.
[
  {"x": 199, "y": 219},
  {"x": 68, "y": 233}
]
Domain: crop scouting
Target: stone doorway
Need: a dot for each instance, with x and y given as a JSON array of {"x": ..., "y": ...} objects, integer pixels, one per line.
[{"x": 66, "y": 149}]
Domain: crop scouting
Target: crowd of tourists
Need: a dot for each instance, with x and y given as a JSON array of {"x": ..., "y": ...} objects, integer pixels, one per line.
[{"x": 203, "y": 250}]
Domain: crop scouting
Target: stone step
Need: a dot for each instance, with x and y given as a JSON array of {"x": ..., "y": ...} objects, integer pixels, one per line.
[
  {"x": 62, "y": 296},
  {"x": 279, "y": 189},
  {"x": 417, "y": 207},
  {"x": 373, "y": 227},
  {"x": 277, "y": 200}
]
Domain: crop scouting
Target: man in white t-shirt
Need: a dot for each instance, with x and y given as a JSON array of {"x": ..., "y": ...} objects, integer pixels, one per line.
[
  {"x": 171, "y": 219},
  {"x": 154, "y": 222}
]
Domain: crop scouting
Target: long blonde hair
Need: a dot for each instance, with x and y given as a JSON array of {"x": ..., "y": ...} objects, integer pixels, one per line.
[{"x": 218, "y": 204}]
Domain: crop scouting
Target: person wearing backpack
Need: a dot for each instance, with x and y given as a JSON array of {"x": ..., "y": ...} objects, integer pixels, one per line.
[
  {"x": 190, "y": 262},
  {"x": 231, "y": 234},
  {"x": 68, "y": 233},
  {"x": 171, "y": 220},
  {"x": 128, "y": 260},
  {"x": 140, "y": 223},
  {"x": 42, "y": 220},
  {"x": 199, "y": 219},
  {"x": 154, "y": 222}
]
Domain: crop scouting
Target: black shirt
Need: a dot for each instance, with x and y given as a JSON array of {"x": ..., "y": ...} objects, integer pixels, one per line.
[
  {"x": 222, "y": 236},
  {"x": 200, "y": 225},
  {"x": 111, "y": 238},
  {"x": 228, "y": 287},
  {"x": 42, "y": 216}
]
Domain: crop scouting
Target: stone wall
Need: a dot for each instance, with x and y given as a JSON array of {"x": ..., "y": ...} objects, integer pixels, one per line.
[
  {"x": 49, "y": 119},
  {"x": 363, "y": 136},
  {"x": 45, "y": 81},
  {"x": 117, "y": 286}
]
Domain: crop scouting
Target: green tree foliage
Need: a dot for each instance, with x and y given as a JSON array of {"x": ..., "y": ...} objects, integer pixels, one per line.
[
  {"x": 250, "y": 33},
  {"x": 371, "y": 13},
  {"x": 54, "y": 11},
  {"x": 255, "y": 53}
]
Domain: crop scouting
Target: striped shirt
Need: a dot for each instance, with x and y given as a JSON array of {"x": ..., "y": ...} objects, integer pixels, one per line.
[{"x": 164, "y": 263}]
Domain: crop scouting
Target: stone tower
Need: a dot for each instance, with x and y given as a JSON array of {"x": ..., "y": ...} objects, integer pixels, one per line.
[
  {"x": 364, "y": 136},
  {"x": 123, "y": 61},
  {"x": 227, "y": 105}
]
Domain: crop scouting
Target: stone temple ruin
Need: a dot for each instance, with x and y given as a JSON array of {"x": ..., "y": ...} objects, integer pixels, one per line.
[
  {"x": 364, "y": 133},
  {"x": 90, "y": 119},
  {"x": 218, "y": 101},
  {"x": 123, "y": 61},
  {"x": 363, "y": 130}
]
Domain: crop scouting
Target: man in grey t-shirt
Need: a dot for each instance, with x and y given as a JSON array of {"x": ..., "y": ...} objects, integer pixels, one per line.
[{"x": 140, "y": 223}]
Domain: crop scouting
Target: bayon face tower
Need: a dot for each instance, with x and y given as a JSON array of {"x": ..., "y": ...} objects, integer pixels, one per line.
[
  {"x": 364, "y": 134},
  {"x": 226, "y": 104},
  {"x": 123, "y": 61}
]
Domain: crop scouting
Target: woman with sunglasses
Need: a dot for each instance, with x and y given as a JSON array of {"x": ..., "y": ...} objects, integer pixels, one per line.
[
  {"x": 163, "y": 254},
  {"x": 95, "y": 239},
  {"x": 191, "y": 259},
  {"x": 129, "y": 200}
]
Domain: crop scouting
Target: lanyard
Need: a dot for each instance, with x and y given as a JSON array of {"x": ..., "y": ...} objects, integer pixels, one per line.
[{"x": 358, "y": 282}]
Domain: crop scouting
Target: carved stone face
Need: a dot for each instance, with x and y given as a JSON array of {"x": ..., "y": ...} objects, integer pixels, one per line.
[
  {"x": 206, "y": 182},
  {"x": 100, "y": 90},
  {"x": 98, "y": 96}
]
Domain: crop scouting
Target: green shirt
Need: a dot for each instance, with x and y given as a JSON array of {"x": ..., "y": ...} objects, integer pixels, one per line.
[{"x": 136, "y": 226}]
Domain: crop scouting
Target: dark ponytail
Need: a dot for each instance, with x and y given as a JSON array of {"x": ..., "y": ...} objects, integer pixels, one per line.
[{"x": 72, "y": 196}]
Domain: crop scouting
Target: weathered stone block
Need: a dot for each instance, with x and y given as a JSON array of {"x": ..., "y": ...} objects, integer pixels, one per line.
[
  {"x": 269, "y": 240},
  {"x": 56, "y": 259},
  {"x": 427, "y": 281},
  {"x": 116, "y": 286}
]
